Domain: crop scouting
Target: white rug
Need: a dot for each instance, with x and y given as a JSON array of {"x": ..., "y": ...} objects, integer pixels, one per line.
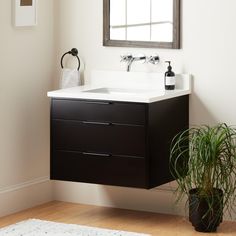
[{"x": 34, "y": 227}]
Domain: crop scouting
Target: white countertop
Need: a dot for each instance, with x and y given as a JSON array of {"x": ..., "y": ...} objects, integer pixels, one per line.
[{"x": 150, "y": 85}]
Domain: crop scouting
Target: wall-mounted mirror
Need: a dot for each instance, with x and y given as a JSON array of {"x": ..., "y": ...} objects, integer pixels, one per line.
[{"x": 141, "y": 23}]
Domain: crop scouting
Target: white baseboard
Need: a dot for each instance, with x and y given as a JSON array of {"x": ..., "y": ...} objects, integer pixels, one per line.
[
  {"x": 160, "y": 200},
  {"x": 41, "y": 190},
  {"x": 25, "y": 195}
]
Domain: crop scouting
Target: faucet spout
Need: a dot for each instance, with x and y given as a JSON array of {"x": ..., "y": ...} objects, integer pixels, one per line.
[
  {"x": 130, "y": 59},
  {"x": 129, "y": 64}
]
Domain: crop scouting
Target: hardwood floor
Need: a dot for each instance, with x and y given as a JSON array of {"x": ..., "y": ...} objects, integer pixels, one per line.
[{"x": 143, "y": 222}]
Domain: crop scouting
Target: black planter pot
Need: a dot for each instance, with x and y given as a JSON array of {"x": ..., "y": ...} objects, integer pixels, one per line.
[{"x": 205, "y": 213}]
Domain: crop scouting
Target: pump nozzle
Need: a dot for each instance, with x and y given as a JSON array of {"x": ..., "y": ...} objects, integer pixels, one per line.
[
  {"x": 168, "y": 62},
  {"x": 169, "y": 67}
]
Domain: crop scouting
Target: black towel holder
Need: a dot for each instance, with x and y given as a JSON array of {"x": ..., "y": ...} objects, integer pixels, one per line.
[{"x": 73, "y": 52}]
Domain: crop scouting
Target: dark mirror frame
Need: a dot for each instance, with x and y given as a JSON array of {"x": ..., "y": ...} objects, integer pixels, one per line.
[{"x": 144, "y": 44}]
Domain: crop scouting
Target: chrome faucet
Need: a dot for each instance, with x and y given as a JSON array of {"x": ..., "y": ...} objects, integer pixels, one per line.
[
  {"x": 129, "y": 64},
  {"x": 130, "y": 59}
]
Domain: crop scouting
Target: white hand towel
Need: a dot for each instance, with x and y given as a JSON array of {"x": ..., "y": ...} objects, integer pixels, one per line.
[{"x": 70, "y": 78}]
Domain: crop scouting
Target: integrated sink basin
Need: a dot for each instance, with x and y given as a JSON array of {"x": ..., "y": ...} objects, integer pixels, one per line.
[
  {"x": 137, "y": 87},
  {"x": 125, "y": 91}
]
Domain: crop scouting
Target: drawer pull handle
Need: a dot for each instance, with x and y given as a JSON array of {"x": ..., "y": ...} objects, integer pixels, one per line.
[
  {"x": 96, "y": 154},
  {"x": 97, "y": 123},
  {"x": 99, "y": 103}
]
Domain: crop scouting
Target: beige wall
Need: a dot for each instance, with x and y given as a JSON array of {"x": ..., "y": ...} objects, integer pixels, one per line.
[
  {"x": 208, "y": 52},
  {"x": 26, "y": 71}
]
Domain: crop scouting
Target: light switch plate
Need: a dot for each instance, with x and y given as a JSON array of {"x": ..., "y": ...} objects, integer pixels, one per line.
[{"x": 24, "y": 12}]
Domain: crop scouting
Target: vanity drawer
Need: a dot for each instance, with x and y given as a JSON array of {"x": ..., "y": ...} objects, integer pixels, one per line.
[
  {"x": 98, "y": 137},
  {"x": 117, "y": 112},
  {"x": 113, "y": 170}
]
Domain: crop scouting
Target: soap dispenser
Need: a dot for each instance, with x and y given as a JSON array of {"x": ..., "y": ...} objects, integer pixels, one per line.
[{"x": 169, "y": 78}]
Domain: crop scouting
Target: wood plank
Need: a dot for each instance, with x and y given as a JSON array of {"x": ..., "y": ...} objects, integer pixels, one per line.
[{"x": 143, "y": 222}]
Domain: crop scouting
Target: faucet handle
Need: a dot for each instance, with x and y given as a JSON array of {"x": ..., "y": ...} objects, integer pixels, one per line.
[
  {"x": 126, "y": 57},
  {"x": 154, "y": 59}
]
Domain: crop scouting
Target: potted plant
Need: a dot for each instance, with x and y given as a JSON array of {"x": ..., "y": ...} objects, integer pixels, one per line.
[{"x": 203, "y": 162}]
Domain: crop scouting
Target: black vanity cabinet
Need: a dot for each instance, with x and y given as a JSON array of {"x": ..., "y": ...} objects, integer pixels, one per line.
[{"x": 114, "y": 143}]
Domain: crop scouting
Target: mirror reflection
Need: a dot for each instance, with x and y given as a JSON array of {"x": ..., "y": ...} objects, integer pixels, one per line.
[
  {"x": 141, "y": 20},
  {"x": 141, "y": 23}
]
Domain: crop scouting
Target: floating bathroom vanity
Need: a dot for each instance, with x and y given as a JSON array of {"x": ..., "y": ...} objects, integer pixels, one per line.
[{"x": 117, "y": 129}]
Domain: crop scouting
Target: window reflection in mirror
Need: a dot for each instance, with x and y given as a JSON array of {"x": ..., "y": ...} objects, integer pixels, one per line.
[{"x": 142, "y": 21}]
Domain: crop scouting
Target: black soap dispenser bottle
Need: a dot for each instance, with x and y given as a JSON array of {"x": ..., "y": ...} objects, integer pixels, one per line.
[{"x": 169, "y": 78}]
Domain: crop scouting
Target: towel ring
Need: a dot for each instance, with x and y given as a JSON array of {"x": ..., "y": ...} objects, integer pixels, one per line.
[{"x": 73, "y": 52}]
